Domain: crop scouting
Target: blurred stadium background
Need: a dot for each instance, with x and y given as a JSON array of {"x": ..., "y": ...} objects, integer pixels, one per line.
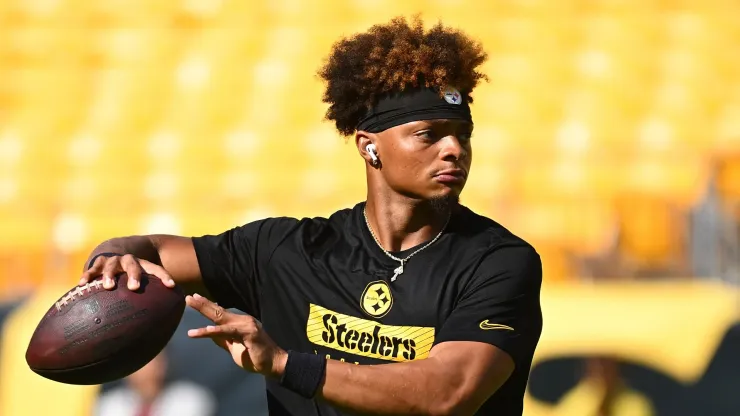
[{"x": 608, "y": 136}]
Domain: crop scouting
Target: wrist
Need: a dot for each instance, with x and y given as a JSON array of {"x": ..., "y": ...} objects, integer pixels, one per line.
[
  {"x": 303, "y": 373},
  {"x": 278, "y": 364}
]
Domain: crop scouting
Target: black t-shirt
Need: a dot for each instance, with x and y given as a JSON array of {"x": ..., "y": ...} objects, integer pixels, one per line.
[{"x": 323, "y": 285}]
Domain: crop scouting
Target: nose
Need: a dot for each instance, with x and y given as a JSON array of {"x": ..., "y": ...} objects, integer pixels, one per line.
[{"x": 452, "y": 148}]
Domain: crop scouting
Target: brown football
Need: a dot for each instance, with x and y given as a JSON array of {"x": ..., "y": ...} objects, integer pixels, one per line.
[{"x": 92, "y": 335}]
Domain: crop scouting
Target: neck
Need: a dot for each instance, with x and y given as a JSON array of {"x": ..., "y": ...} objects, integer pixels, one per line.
[{"x": 400, "y": 223}]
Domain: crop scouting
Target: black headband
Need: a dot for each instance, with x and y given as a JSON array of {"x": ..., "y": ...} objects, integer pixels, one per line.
[{"x": 415, "y": 105}]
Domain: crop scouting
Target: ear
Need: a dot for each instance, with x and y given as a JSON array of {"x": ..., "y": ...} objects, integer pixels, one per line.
[{"x": 362, "y": 139}]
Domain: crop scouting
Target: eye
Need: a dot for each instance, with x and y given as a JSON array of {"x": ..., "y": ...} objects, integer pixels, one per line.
[
  {"x": 465, "y": 137},
  {"x": 426, "y": 134}
]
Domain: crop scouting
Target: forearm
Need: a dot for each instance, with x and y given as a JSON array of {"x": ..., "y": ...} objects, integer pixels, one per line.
[
  {"x": 176, "y": 255},
  {"x": 412, "y": 388}
]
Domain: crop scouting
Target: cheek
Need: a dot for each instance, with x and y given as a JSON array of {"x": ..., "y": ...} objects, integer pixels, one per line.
[
  {"x": 410, "y": 163},
  {"x": 407, "y": 166}
]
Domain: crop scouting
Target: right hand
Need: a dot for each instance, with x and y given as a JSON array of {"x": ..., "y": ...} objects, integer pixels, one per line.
[{"x": 108, "y": 267}]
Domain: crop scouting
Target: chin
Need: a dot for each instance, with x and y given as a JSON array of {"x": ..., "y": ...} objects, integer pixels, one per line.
[
  {"x": 443, "y": 203},
  {"x": 447, "y": 192}
]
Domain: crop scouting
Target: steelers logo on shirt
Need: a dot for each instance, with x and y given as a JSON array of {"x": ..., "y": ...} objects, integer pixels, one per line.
[{"x": 377, "y": 299}]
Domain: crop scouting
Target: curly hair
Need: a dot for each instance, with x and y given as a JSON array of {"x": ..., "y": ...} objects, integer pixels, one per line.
[{"x": 393, "y": 57}]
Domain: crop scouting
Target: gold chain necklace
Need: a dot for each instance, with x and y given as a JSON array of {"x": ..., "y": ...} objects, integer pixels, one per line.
[{"x": 399, "y": 270}]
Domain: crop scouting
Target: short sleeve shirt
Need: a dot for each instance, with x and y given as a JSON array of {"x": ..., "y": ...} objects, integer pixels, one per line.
[{"x": 323, "y": 286}]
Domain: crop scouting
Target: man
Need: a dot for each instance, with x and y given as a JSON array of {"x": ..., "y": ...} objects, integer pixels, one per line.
[
  {"x": 407, "y": 303},
  {"x": 147, "y": 392}
]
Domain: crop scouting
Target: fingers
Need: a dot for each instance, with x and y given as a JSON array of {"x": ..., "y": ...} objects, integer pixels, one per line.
[
  {"x": 220, "y": 331},
  {"x": 133, "y": 271},
  {"x": 159, "y": 272},
  {"x": 110, "y": 269},
  {"x": 94, "y": 271},
  {"x": 228, "y": 325},
  {"x": 210, "y": 310}
]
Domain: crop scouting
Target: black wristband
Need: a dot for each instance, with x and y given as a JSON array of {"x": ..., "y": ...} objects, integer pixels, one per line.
[
  {"x": 92, "y": 261},
  {"x": 303, "y": 373}
]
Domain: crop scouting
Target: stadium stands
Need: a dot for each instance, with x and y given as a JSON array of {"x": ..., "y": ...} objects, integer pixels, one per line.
[
  {"x": 601, "y": 127},
  {"x": 119, "y": 119}
]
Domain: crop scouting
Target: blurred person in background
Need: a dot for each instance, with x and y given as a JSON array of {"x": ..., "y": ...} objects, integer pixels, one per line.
[
  {"x": 147, "y": 392},
  {"x": 602, "y": 392}
]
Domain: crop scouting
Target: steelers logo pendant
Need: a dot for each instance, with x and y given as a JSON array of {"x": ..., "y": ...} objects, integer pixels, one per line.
[{"x": 377, "y": 300}]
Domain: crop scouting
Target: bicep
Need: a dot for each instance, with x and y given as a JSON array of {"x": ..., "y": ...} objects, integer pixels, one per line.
[
  {"x": 177, "y": 256},
  {"x": 503, "y": 307},
  {"x": 233, "y": 264},
  {"x": 476, "y": 369}
]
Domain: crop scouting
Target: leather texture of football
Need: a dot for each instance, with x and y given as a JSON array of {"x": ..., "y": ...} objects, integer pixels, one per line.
[{"x": 93, "y": 336}]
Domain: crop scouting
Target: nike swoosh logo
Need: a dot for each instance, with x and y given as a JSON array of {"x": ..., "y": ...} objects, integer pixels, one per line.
[{"x": 487, "y": 325}]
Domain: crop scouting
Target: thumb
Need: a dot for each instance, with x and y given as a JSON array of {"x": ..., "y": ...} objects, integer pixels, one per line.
[{"x": 221, "y": 342}]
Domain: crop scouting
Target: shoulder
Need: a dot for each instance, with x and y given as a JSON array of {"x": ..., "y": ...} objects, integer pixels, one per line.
[
  {"x": 502, "y": 253},
  {"x": 337, "y": 218},
  {"x": 277, "y": 227},
  {"x": 317, "y": 227},
  {"x": 488, "y": 234}
]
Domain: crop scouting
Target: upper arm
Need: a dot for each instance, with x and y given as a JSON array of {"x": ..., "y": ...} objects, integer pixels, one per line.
[
  {"x": 474, "y": 370},
  {"x": 233, "y": 264},
  {"x": 501, "y": 306},
  {"x": 497, "y": 321},
  {"x": 177, "y": 256}
]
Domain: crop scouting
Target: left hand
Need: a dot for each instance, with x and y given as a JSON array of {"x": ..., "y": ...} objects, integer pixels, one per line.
[{"x": 242, "y": 336}]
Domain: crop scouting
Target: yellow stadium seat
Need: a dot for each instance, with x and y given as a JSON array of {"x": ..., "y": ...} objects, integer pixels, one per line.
[
  {"x": 727, "y": 132},
  {"x": 25, "y": 224},
  {"x": 652, "y": 232},
  {"x": 189, "y": 107},
  {"x": 728, "y": 178},
  {"x": 678, "y": 178},
  {"x": 44, "y": 45},
  {"x": 488, "y": 184},
  {"x": 581, "y": 225},
  {"x": 127, "y": 103},
  {"x": 557, "y": 264},
  {"x": 22, "y": 269},
  {"x": 662, "y": 131},
  {"x": 510, "y": 111},
  {"x": 592, "y": 177},
  {"x": 615, "y": 6},
  {"x": 202, "y": 221},
  {"x": 211, "y": 88},
  {"x": 132, "y": 13},
  {"x": 226, "y": 13},
  {"x": 133, "y": 47},
  {"x": 23, "y": 12},
  {"x": 59, "y": 97}
]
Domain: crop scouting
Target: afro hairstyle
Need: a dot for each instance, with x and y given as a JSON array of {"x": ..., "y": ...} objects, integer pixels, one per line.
[{"x": 392, "y": 57}]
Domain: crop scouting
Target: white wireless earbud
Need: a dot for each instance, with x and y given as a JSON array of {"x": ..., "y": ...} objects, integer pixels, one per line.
[{"x": 371, "y": 149}]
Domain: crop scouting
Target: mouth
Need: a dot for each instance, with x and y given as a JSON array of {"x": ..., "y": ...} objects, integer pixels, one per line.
[{"x": 450, "y": 176}]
